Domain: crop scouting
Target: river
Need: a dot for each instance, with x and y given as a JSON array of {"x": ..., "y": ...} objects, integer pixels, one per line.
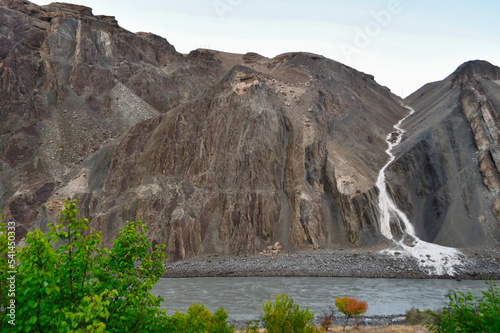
[{"x": 242, "y": 297}]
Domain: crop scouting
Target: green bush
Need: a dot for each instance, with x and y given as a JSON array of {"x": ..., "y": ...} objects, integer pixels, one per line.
[
  {"x": 252, "y": 326},
  {"x": 67, "y": 282},
  {"x": 465, "y": 313},
  {"x": 283, "y": 316},
  {"x": 415, "y": 316},
  {"x": 199, "y": 319}
]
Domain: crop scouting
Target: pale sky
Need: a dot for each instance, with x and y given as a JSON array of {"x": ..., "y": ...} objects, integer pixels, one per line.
[{"x": 403, "y": 43}]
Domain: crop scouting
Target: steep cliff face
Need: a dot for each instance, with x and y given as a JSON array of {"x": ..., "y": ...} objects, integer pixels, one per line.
[
  {"x": 70, "y": 83},
  {"x": 256, "y": 160},
  {"x": 447, "y": 173}
]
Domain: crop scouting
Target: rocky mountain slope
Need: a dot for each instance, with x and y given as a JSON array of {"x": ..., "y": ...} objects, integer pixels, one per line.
[
  {"x": 230, "y": 153},
  {"x": 71, "y": 83},
  {"x": 446, "y": 176}
]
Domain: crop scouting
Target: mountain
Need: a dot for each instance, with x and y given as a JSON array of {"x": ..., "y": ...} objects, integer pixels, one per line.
[
  {"x": 230, "y": 153},
  {"x": 446, "y": 176}
]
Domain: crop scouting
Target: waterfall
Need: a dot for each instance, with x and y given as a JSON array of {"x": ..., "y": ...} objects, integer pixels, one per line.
[{"x": 432, "y": 258}]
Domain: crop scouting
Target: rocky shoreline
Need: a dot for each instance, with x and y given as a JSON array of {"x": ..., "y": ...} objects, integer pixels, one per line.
[
  {"x": 474, "y": 264},
  {"x": 339, "y": 320}
]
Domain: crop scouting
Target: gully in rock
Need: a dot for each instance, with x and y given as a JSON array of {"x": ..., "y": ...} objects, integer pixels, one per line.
[{"x": 432, "y": 258}]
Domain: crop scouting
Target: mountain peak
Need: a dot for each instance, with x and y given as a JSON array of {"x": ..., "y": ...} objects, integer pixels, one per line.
[
  {"x": 480, "y": 68},
  {"x": 71, "y": 8}
]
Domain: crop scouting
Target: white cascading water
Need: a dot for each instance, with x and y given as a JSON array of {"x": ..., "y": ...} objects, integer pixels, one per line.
[{"x": 432, "y": 258}]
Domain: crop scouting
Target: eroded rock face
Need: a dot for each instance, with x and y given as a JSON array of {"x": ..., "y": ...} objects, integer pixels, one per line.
[
  {"x": 70, "y": 83},
  {"x": 243, "y": 167},
  {"x": 447, "y": 175}
]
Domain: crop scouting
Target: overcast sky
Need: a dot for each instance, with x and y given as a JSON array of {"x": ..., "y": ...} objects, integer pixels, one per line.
[{"x": 404, "y": 43}]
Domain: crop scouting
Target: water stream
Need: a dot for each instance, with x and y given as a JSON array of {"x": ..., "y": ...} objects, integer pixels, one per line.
[{"x": 433, "y": 258}]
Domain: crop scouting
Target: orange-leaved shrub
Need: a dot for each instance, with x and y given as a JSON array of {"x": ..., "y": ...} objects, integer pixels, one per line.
[{"x": 350, "y": 307}]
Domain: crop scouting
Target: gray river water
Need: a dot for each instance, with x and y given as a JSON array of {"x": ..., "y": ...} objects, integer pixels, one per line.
[{"x": 242, "y": 297}]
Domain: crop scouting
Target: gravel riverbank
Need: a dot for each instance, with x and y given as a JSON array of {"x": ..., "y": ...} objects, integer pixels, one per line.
[
  {"x": 339, "y": 320},
  {"x": 473, "y": 264}
]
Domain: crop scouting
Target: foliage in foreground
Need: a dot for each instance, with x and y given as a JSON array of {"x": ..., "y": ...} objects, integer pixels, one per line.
[
  {"x": 466, "y": 313},
  {"x": 326, "y": 320},
  {"x": 67, "y": 282},
  {"x": 252, "y": 326},
  {"x": 283, "y": 316},
  {"x": 199, "y": 319},
  {"x": 416, "y": 316},
  {"x": 350, "y": 307}
]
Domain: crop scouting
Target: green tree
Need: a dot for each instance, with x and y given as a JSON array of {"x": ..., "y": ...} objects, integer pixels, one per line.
[{"x": 67, "y": 282}]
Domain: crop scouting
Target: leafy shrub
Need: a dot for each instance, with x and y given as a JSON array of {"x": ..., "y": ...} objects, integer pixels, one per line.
[
  {"x": 415, "y": 316},
  {"x": 465, "y": 313},
  {"x": 350, "y": 307},
  {"x": 252, "y": 326},
  {"x": 326, "y": 320},
  {"x": 199, "y": 319},
  {"x": 283, "y": 316},
  {"x": 67, "y": 282}
]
